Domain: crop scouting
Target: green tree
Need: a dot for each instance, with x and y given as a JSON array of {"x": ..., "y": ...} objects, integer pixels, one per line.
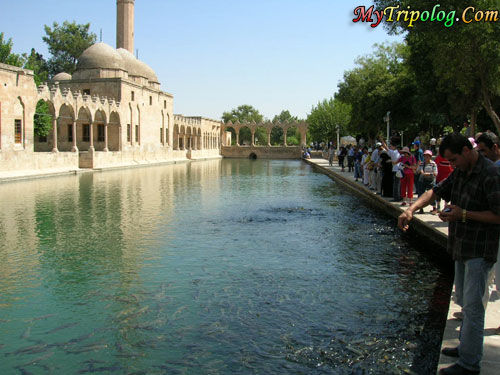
[
  {"x": 380, "y": 82},
  {"x": 6, "y": 55},
  {"x": 464, "y": 57},
  {"x": 285, "y": 116},
  {"x": 244, "y": 113},
  {"x": 43, "y": 119},
  {"x": 326, "y": 117},
  {"x": 66, "y": 43}
]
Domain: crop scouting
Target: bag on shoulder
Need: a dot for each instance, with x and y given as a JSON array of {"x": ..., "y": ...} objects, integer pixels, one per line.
[{"x": 399, "y": 172}]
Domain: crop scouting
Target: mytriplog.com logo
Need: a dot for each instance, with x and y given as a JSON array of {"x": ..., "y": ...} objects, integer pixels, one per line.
[{"x": 410, "y": 16}]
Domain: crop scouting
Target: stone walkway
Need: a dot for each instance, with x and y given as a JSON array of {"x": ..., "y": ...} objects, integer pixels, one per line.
[{"x": 430, "y": 226}]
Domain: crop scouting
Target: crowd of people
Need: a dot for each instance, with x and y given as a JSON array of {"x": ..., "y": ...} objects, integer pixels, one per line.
[
  {"x": 466, "y": 176},
  {"x": 393, "y": 171}
]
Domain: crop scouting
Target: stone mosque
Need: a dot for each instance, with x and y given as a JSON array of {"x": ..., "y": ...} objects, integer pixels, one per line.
[{"x": 111, "y": 112}]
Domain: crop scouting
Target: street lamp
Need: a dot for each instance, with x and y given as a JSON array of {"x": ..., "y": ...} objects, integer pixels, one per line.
[
  {"x": 338, "y": 136},
  {"x": 386, "y": 119}
]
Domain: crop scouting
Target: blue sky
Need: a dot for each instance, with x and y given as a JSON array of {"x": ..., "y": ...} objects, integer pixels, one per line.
[{"x": 214, "y": 55}]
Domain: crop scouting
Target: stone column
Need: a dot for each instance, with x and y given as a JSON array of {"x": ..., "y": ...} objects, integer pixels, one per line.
[
  {"x": 238, "y": 138},
  {"x": 285, "y": 131},
  {"x": 303, "y": 138},
  {"x": 91, "y": 148},
  {"x": 184, "y": 140},
  {"x": 54, "y": 134},
  {"x": 253, "y": 137},
  {"x": 73, "y": 130},
  {"x": 106, "y": 149},
  {"x": 269, "y": 138}
]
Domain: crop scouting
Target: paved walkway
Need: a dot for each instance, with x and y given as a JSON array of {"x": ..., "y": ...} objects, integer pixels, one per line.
[{"x": 431, "y": 225}]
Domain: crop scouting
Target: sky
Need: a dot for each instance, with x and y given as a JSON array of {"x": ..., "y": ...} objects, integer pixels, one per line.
[{"x": 214, "y": 55}]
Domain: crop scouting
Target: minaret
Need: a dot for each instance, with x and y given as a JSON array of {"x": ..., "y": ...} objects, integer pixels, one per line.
[{"x": 125, "y": 25}]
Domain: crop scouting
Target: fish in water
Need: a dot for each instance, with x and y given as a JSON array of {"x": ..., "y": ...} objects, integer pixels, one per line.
[
  {"x": 37, "y": 360},
  {"x": 26, "y": 333},
  {"x": 64, "y": 326},
  {"x": 87, "y": 348},
  {"x": 41, "y": 317},
  {"x": 29, "y": 349},
  {"x": 179, "y": 311},
  {"x": 23, "y": 371},
  {"x": 100, "y": 369}
]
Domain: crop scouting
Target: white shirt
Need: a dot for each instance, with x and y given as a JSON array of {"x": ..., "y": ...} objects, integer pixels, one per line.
[{"x": 395, "y": 155}]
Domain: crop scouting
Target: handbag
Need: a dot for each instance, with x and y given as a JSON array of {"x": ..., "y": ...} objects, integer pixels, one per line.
[{"x": 399, "y": 172}]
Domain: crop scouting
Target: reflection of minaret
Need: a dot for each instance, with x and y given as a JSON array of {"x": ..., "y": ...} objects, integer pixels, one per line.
[{"x": 125, "y": 25}]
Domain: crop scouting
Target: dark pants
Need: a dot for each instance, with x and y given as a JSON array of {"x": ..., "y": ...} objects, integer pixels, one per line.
[
  {"x": 350, "y": 163},
  {"x": 396, "y": 187}
]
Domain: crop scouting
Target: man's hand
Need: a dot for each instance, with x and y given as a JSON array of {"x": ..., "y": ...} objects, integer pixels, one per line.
[
  {"x": 404, "y": 220},
  {"x": 454, "y": 214}
]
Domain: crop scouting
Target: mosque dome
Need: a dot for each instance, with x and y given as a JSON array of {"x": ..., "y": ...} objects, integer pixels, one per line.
[
  {"x": 63, "y": 76},
  {"x": 100, "y": 56},
  {"x": 136, "y": 67}
]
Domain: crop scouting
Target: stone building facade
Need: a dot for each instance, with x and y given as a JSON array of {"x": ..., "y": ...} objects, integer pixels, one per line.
[{"x": 110, "y": 112}]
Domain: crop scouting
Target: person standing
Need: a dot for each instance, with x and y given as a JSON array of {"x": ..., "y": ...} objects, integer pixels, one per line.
[
  {"x": 376, "y": 178},
  {"x": 473, "y": 189},
  {"x": 350, "y": 159},
  {"x": 409, "y": 166},
  {"x": 488, "y": 145},
  {"x": 365, "y": 163},
  {"x": 331, "y": 154},
  {"x": 393, "y": 152},
  {"x": 358, "y": 155},
  {"x": 341, "y": 154},
  {"x": 427, "y": 176}
]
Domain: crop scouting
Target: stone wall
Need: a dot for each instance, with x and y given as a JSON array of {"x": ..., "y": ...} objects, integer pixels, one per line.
[{"x": 262, "y": 152}]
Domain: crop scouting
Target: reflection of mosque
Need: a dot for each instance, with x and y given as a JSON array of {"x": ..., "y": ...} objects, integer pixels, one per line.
[
  {"x": 111, "y": 111},
  {"x": 100, "y": 218}
]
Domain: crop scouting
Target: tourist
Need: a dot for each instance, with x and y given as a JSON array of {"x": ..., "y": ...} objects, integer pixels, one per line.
[
  {"x": 432, "y": 143},
  {"x": 341, "y": 153},
  {"x": 473, "y": 189},
  {"x": 376, "y": 175},
  {"x": 393, "y": 152},
  {"x": 350, "y": 158},
  {"x": 331, "y": 154},
  {"x": 366, "y": 164},
  {"x": 358, "y": 172},
  {"x": 409, "y": 166},
  {"x": 386, "y": 171},
  {"x": 488, "y": 145},
  {"x": 427, "y": 177}
]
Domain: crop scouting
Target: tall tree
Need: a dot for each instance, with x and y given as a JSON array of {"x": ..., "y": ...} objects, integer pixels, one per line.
[
  {"x": 244, "y": 113},
  {"x": 464, "y": 56},
  {"x": 66, "y": 43},
  {"x": 326, "y": 117},
  {"x": 43, "y": 119},
  {"x": 380, "y": 82},
  {"x": 6, "y": 54},
  {"x": 285, "y": 116}
]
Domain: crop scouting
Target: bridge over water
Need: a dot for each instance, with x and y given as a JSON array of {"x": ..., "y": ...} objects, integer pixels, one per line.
[{"x": 266, "y": 140}]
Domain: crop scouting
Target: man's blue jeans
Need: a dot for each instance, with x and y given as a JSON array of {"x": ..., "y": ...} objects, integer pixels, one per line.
[{"x": 470, "y": 283}]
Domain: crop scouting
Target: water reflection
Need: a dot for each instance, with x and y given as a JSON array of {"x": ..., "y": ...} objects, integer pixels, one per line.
[{"x": 210, "y": 267}]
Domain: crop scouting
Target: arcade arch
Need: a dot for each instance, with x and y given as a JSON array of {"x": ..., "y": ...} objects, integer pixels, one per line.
[
  {"x": 245, "y": 137},
  {"x": 277, "y": 136},
  {"x": 293, "y": 136}
]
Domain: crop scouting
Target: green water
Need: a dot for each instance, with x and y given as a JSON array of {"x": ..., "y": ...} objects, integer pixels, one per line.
[{"x": 214, "y": 267}]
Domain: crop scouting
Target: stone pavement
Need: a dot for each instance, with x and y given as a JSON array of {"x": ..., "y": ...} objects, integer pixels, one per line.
[{"x": 430, "y": 226}]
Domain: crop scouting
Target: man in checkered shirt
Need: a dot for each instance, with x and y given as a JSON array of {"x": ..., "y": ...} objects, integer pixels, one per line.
[{"x": 473, "y": 189}]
